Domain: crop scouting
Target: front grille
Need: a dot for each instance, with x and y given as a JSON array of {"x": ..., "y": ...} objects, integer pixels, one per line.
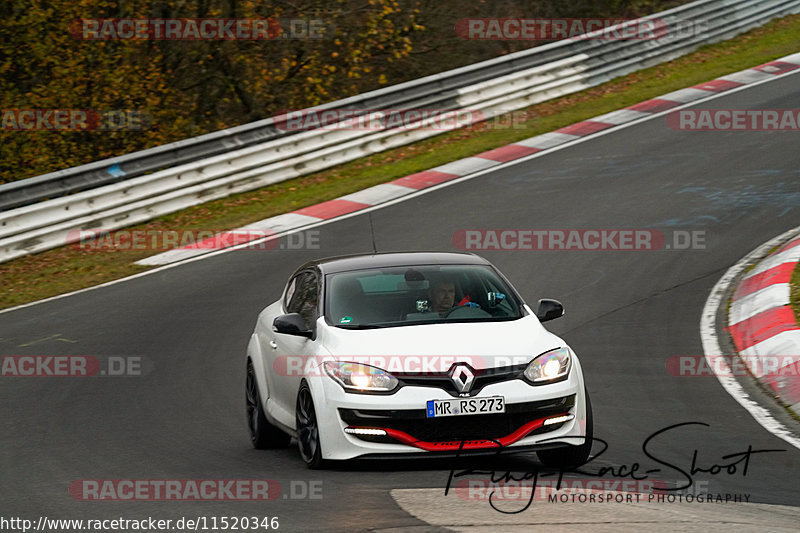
[
  {"x": 455, "y": 428},
  {"x": 443, "y": 380}
]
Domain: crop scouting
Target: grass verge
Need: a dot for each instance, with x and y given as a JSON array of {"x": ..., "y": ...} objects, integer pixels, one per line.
[{"x": 69, "y": 268}]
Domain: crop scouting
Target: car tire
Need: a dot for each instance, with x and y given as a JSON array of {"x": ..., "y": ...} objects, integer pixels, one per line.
[
  {"x": 571, "y": 456},
  {"x": 308, "y": 440},
  {"x": 263, "y": 435}
]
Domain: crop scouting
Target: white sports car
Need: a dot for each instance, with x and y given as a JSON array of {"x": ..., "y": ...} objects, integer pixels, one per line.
[{"x": 420, "y": 354}]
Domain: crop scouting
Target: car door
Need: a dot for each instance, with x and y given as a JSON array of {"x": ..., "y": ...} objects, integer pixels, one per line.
[{"x": 293, "y": 351}]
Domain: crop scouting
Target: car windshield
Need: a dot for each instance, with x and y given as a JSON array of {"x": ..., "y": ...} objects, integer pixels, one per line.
[{"x": 419, "y": 294}]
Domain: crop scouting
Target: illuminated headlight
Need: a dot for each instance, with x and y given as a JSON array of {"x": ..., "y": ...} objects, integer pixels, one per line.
[
  {"x": 357, "y": 377},
  {"x": 549, "y": 366}
]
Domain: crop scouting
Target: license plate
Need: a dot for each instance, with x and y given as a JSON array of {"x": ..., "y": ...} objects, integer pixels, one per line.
[{"x": 466, "y": 406}]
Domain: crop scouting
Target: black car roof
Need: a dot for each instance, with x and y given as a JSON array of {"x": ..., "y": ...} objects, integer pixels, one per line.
[{"x": 388, "y": 259}]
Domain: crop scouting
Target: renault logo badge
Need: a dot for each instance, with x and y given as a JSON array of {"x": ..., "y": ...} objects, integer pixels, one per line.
[{"x": 462, "y": 378}]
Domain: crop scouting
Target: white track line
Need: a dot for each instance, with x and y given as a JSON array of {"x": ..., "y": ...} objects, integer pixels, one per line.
[{"x": 708, "y": 333}]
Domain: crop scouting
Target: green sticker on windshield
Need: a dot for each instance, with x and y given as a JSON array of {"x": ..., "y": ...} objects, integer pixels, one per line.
[{"x": 345, "y": 320}]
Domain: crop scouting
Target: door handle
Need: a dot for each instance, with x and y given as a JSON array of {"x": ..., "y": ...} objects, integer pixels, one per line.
[{"x": 273, "y": 345}]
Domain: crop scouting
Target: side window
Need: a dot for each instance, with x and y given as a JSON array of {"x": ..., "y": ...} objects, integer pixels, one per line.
[{"x": 303, "y": 299}]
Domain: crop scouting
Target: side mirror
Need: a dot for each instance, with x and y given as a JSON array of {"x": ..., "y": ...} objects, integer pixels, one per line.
[
  {"x": 291, "y": 324},
  {"x": 549, "y": 309}
]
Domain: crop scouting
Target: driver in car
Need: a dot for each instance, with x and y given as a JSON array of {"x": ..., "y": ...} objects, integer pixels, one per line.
[{"x": 442, "y": 295}]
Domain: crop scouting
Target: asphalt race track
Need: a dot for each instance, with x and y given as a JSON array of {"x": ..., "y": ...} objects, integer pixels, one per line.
[{"x": 627, "y": 313}]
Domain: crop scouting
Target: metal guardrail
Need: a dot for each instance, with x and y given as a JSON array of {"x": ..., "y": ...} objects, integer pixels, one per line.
[{"x": 492, "y": 87}]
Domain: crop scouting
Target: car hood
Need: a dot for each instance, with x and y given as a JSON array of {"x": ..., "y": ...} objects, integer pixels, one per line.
[{"x": 495, "y": 343}]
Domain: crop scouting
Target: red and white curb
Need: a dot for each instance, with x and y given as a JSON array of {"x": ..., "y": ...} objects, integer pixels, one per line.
[
  {"x": 763, "y": 325},
  {"x": 386, "y": 192}
]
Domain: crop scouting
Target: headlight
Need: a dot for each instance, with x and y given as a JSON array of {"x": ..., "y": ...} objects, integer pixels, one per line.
[
  {"x": 358, "y": 377},
  {"x": 550, "y": 366}
]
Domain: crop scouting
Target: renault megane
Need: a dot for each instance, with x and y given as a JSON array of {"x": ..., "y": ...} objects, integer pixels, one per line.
[{"x": 419, "y": 353}]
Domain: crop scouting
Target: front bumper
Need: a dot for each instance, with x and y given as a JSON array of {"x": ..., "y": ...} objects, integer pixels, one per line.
[
  {"x": 412, "y": 426},
  {"x": 397, "y": 423}
]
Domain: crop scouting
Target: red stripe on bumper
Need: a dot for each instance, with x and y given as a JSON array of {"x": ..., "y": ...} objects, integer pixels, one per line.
[{"x": 467, "y": 444}]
